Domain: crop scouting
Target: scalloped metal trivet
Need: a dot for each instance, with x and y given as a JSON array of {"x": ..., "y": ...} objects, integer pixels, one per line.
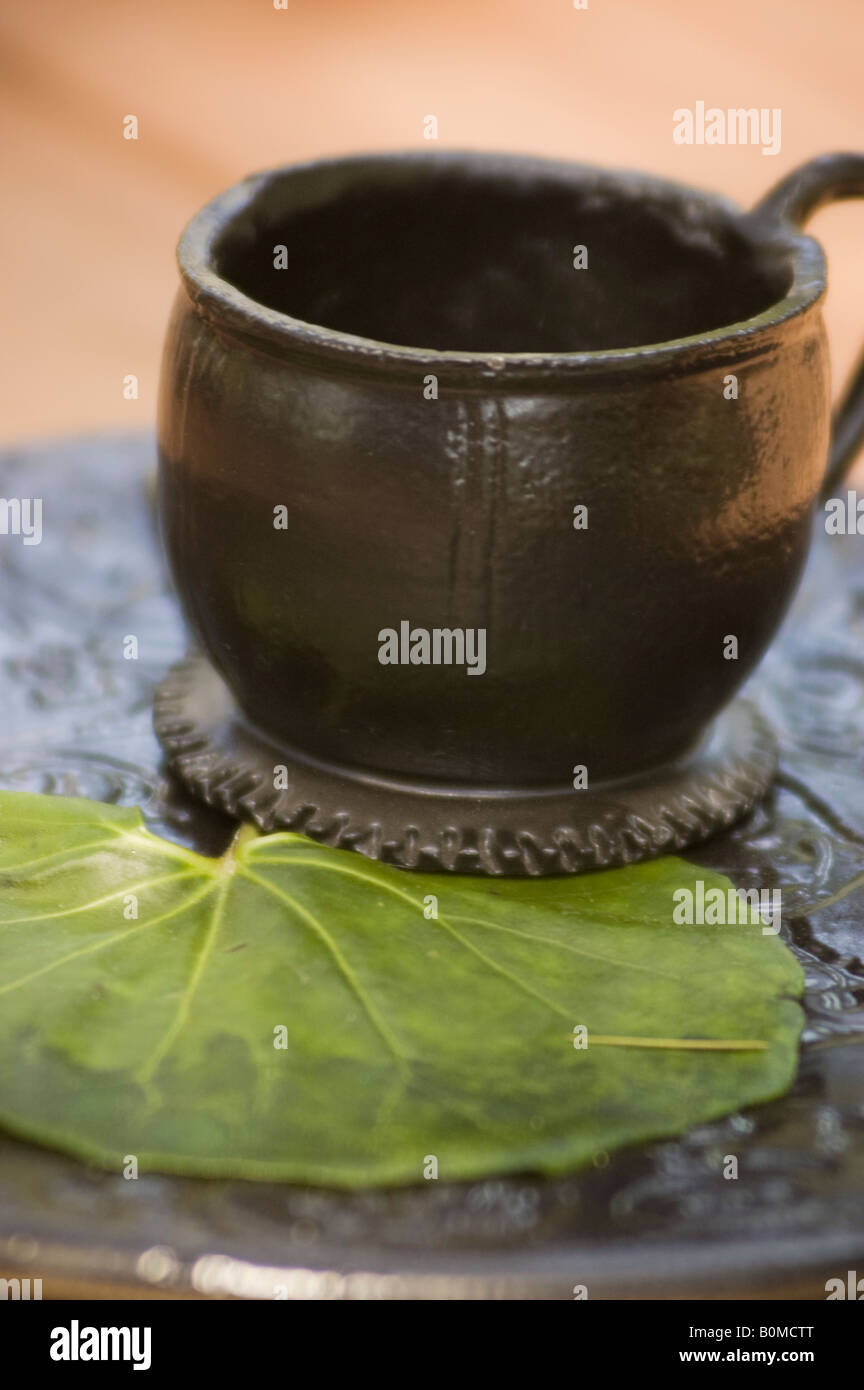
[
  {"x": 658, "y": 1220},
  {"x": 230, "y": 765}
]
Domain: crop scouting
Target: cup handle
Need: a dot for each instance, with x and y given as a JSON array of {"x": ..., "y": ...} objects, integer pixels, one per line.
[{"x": 793, "y": 200}]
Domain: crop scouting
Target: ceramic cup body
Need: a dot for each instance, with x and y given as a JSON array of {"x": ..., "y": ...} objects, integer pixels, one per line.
[{"x": 431, "y": 387}]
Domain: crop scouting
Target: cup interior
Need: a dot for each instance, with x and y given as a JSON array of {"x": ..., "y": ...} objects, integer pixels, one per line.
[{"x": 467, "y": 258}]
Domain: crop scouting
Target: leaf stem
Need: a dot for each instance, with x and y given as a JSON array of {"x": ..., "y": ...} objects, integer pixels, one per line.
[{"x": 245, "y": 832}]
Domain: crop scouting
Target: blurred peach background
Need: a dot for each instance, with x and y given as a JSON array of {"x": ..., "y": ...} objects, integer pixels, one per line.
[{"x": 223, "y": 87}]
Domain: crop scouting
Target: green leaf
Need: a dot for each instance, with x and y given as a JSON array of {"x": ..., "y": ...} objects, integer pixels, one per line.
[{"x": 405, "y": 1035}]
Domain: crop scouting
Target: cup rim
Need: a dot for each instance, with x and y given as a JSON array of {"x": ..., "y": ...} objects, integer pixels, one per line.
[{"x": 238, "y": 315}]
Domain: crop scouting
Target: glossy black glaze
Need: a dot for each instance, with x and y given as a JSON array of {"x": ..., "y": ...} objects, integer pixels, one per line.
[{"x": 557, "y": 387}]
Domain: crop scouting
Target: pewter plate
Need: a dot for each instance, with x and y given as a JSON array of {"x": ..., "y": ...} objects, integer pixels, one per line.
[{"x": 655, "y": 1221}]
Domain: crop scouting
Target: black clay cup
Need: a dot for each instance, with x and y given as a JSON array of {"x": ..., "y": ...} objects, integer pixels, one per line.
[{"x": 485, "y": 482}]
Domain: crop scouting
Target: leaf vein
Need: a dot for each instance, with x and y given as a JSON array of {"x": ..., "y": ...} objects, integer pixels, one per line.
[{"x": 343, "y": 965}]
